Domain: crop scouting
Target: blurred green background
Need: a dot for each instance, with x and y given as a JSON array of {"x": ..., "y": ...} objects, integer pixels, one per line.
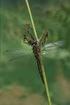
[{"x": 51, "y": 15}]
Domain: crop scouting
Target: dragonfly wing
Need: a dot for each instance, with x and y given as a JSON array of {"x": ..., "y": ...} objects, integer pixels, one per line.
[
  {"x": 54, "y": 45},
  {"x": 14, "y": 54},
  {"x": 51, "y": 49}
]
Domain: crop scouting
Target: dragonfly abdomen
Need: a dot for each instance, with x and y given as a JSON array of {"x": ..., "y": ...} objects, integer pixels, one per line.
[{"x": 37, "y": 54}]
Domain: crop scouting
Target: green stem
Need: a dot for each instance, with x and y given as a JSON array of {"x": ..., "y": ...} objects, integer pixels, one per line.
[
  {"x": 42, "y": 74},
  {"x": 31, "y": 17},
  {"x": 45, "y": 83},
  {"x": 41, "y": 65}
]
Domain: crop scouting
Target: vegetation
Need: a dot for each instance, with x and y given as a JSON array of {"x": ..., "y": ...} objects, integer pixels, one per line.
[{"x": 51, "y": 15}]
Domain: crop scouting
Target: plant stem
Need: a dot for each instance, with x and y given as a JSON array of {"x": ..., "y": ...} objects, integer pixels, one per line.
[
  {"x": 41, "y": 69},
  {"x": 31, "y": 17},
  {"x": 45, "y": 82},
  {"x": 39, "y": 58}
]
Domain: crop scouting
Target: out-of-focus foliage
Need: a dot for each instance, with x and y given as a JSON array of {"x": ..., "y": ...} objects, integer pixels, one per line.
[{"x": 51, "y": 15}]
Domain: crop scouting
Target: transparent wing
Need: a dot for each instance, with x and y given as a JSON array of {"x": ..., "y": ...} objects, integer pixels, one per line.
[
  {"x": 14, "y": 54},
  {"x": 53, "y": 45},
  {"x": 52, "y": 49},
  {"x": 49, "y": 50}
]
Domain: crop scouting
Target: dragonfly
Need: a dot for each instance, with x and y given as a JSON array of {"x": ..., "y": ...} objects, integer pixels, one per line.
[{"x": 38, "y": 48}]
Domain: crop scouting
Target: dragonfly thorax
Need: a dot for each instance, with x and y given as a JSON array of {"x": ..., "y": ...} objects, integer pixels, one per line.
[{"x": 36, "y": 48}]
